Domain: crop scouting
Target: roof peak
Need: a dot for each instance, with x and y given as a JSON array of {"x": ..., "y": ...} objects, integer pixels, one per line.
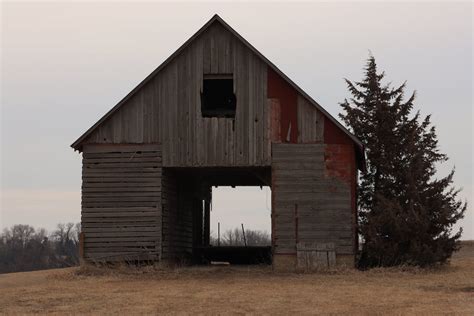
[{"x": 77, "y": 144}]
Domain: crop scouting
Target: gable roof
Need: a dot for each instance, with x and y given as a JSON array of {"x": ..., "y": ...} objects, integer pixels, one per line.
[{"x": 216, "y": 18}]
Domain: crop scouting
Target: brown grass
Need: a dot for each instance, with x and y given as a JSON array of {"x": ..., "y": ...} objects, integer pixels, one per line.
[{"x": 242, "y": 290}]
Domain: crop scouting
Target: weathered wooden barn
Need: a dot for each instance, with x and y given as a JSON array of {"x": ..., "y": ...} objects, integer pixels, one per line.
[{"x": 216, "y": 113}]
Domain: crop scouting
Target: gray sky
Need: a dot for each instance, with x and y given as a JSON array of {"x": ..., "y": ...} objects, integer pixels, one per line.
[{"x": 64, "y": 65}]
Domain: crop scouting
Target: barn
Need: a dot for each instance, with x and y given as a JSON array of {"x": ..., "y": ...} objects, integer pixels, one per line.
[{"x": 217, "y": 113}]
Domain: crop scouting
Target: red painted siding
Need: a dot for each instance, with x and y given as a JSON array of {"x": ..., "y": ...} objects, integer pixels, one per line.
[
  {"x": 279, "y": 89},
  {"x": 334, "y": 135},
  {"x": 340, "y": 162}
]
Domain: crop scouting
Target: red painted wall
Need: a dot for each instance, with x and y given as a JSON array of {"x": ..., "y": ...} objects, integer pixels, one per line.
[
  {"x": 334, "y": 135},
  {"x": 278, "y": 88}
]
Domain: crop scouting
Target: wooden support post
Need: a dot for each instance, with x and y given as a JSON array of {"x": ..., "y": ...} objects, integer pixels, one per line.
[
  {"x": 218, "y": 234},
  {"x": 243, "y": 233},
  {"x": 296, "y": 224},
  {"x": 197, "y": 222},
  {"x": 207, "y": 222}
]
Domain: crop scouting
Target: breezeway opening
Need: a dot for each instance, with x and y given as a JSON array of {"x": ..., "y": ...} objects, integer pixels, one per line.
[
  {"x": 240, "y": 226},
  {"x": 203, "y": 213},
  {"x": 241, "y": 216}
]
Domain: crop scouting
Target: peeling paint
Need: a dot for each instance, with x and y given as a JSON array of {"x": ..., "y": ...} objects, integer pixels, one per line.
[{"x": 279, "y": 89}]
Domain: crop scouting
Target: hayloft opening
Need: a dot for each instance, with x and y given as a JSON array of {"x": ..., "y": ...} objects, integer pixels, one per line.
[{"x": 217, "y": 97}]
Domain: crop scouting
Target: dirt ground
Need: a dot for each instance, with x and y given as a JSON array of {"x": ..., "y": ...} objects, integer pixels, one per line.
[{"x": 242, "y": 290}]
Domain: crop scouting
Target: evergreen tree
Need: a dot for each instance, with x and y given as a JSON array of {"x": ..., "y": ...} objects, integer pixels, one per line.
[{"x": 406, "y": 214}]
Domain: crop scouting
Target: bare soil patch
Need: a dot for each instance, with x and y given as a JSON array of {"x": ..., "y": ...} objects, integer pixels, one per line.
[{"x": 242, "y": 290}]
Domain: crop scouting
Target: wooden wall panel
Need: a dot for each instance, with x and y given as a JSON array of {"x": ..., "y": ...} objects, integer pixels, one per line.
[
  {"x": 121, "y": 202},
  {"x": 167, "y": 109},
  {"x": 179, "y": 206},
  {"x": 310, "y": 122},
  {"x": 308, "y": 206}
]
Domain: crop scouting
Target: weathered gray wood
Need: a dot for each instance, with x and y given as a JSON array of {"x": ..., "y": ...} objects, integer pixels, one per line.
[
  {"x": 120, "y": 225},
  {"x": 124, "y": 164},
  {"x": 187, "y": 138},
  {"x": 117, "y": 195},
  {"x": 120, "y": 148},
  {"x": 116, "y": 189},
  {"x": 121, "y": 209},
  {"x": 93, "y": 244},
  {"x": 109, "y": 257},
  {"x": 124, "y": 219},
  {"x": 121, "y": 197},
  {"x": 124, "y": 184},
  {"x": 116, "y": 215},
  {"x": 161, "y": 125},
  {"x": 129, "y": 156},
  {"x": 140, "y": 180},
  {"x": 301, "y": 189},
  {"x": 315, "y": 256},
  {"x": 122, "y": 239},
  {"x": 177, "y": 217},
  {"x": 119, "y": 229}
]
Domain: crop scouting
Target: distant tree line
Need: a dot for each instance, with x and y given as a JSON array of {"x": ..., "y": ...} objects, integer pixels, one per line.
[
  {"x": 24, "y": 248},
  {"x": 235, "y": 237}
]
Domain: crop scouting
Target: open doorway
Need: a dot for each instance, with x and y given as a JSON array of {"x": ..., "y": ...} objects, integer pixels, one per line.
[
  {"x": 240, "y": 225},
  {"x": 217, "y": 214},
  {"x": 241, "y": 216}
]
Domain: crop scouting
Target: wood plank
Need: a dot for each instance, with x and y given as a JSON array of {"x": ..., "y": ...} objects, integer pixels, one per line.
[
  {"x": 120, "y": 148},
  {"x": 127, "y": 165},
  {"x": 122, "y": 159},
  {"x": 89, "y": 239},
  {"x": 92, "y": 244},
  {"x": 122, "y": 194},
  {"x": 114, "y": 185},
  {"x": 141, "y": 180},
  {"x": 124, "y": 234},
  {"x": 120, "y": 174},
  {"x": 125, "y": 219},
  {"x": 120, "y": 229},
  {"x": 123, "y": 155},
  {"x": 124, "y": 224},
  {"x": 118, "y": 199}
]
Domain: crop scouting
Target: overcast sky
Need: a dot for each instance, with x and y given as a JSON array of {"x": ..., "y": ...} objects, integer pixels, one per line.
[{"x": 64, "y": 65}]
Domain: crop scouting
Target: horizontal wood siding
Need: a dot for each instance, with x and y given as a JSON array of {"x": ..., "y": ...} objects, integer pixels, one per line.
[
  {"x": 121, "y": 202},
  {"x": 308, "y": 205},
  {"x": 168, "y": 108}
]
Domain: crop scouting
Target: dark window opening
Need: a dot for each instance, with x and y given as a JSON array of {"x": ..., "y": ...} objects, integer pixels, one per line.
[{"x": 217, "y": 97}]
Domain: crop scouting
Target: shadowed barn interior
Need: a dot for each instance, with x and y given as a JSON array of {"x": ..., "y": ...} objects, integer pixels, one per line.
[{"x": 217, "y": 112}]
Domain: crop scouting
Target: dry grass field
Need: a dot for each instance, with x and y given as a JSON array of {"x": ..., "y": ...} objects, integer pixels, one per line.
[{"x": 242, "y": 290}]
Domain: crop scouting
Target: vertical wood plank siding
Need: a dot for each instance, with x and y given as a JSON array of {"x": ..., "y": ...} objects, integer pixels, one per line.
[
  {"x": 308, "y": 206},
  {"x": 121, "y": 202},
  {"x": 167, "y": 109},
  {"x": 310, "y": 122}
]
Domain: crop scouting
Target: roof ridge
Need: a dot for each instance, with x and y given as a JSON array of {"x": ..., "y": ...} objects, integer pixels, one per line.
[{"x": 216, "y": 17}]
